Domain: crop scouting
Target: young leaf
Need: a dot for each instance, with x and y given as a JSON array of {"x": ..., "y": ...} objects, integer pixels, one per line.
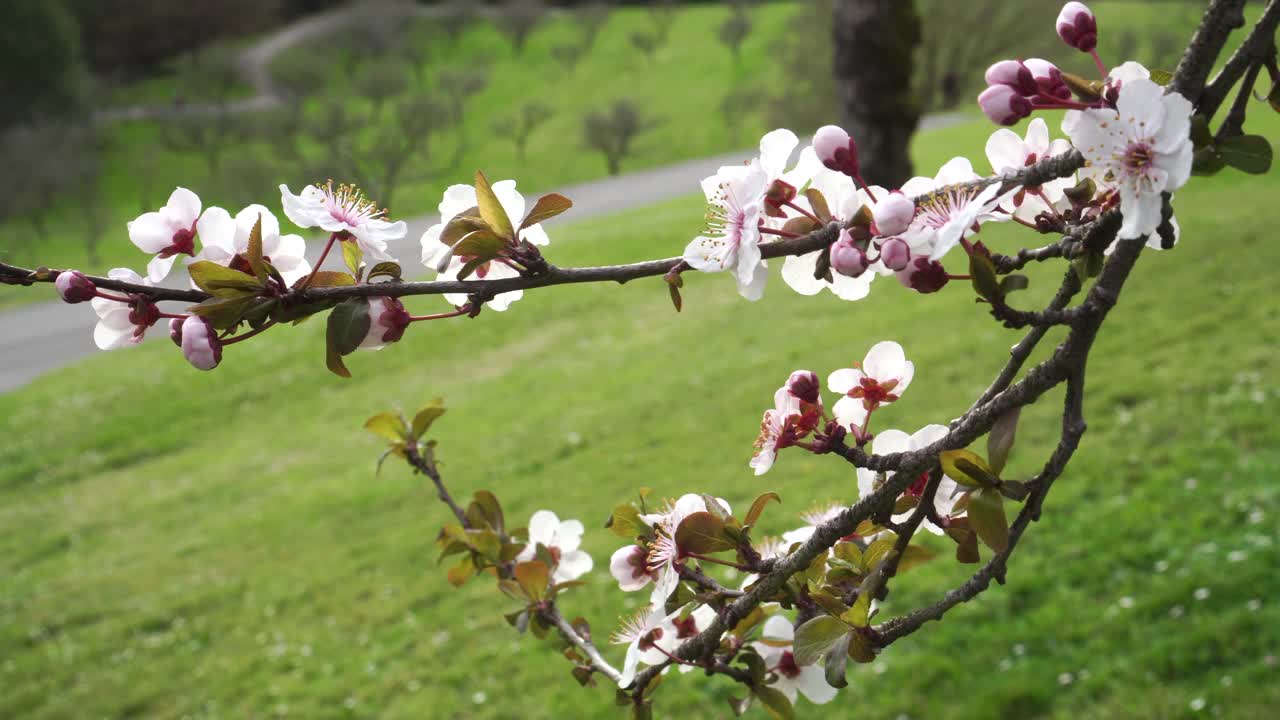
[
  {"x": 1161, "y": 77},
  {"x": 491, "y": 510},
  {"x": 915, "y": 556},
  {"x": 427, "y": 415},
  {"x": 348, "y": 324},
  {"x": 254, "y": 252},
  {"x": 1000, "y": 440},
  {"x": 224, "y": 312},
  {"x": 837, "y": 662},
  {"x": 222, "y": 281},
  {"x": 758, "y": 505},
  {"x": 818, "y": 202},
  {"x": 1247, "y": 153},
  {"x": 480, "y": 244},
  {"x": 471, "y": 266},
  {"x": 547, "y": 207},
  {"x": 625, "y": 522},
  {"x": 1201, "y": 134},
  {"x": 462, "y": 225},
  {"x": 329, "y": 278},
  {"x": 816, "y": 637},
  {"x": 491, "y": 209},
  {"x": 1014, "y": 282},
  {"x": 352, "y": 256},
  {"x": 983, "y": 275},
  {"x": 460, "y": 573},
  {"x": 986, "y": 515},
  {"x": 702, "y": 533},
  {"x": 1206, "y": 161},
  {"x": 387, "y": 425},
  {"x": 533, "y": 577},
  {"x": 386, "y": 269},
  {"x": 967, "y": 468},
  {"x": 774, "y": 702}
]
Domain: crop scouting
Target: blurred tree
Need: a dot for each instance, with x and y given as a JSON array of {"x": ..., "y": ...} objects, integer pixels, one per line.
[
  {"x": 380, "y": 81},
  {"x": 613, "y": 131},
  {"x": 808, "y": 99},
  {"x": 734, "y": 31},
  {"x": 663, "y": 13},
  {"x": 591, "y": 19},
  {"x": 874, "y": 44},
  {"x": 454, "y": 17},
  {"x": 517, "y": 20},
  {"x": 736, "y": 107},
  {"x": 568, "y": 55},
  {"x": 40, "y": 54},
  {"x": 458, "y": 85},
  {"x": 385, "y": 158},
  {"x": 522, "y": 124},
  {"x": 207, "y": 127}
]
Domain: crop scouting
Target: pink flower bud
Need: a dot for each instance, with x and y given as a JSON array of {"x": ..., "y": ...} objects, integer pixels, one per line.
[
  {"x": 804, "y": 386},
  {"x": 1048, "y": 78},
  {"x": 1078, "y": 27},
  {"x": 846, "y": 257},
  {"x": 1003, "y": 105},
  {"x": 923, "y": 275},
  {"x": 74, "y": 287},
  {"x": 1014, "y": 74},
  {"x": 387, "y": 322},
  {"x": 895, "y": 254},
  {"x": 836, "y": 149},
  {"x": 200, "y": 344},
  {"x": 893, "y": 214},
  {"x": 175, "y": 331}
]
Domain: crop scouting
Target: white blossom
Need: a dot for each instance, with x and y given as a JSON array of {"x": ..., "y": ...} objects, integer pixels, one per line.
[
  {"x": 789, "y": 678},
  {"x": 884, "y": 375},
  {"x": 167, "y": 232},
  {"x": 226, "y": 242},
  {"x": 343, "y": 209},
  {"x": 896, "y": 441},
  {"x": 562, "y": 540}
]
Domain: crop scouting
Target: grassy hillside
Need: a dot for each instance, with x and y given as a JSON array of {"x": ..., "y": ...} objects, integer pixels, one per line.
[{"x": 184, "y": 544}]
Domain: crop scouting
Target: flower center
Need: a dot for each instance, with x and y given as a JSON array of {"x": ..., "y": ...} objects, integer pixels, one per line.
[
  {"x": 183, "y": 244},
  {"x": 685, "y": 628},
  {"x": 787, "y": 666},
  {"x": 347, "y": 204},
  {"x": 938, "y": 209},
  {"x": 639, "y": 562},
  {"x": 1138, "y": 158},
  {"x": 916, "y": 489},
  {"x": 873, "y": 392},
  {"x": 651, "y": 639}
]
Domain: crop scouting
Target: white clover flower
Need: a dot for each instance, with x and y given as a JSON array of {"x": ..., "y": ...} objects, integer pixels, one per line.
[
  {"x": 1142, "y": 147},
  {"x": 167, "y": 232},
  {"x": 457, "y": 200},
  {"x": 896, "y": 441},
  {"x": 789, "y": 678},
  {"x": 343, "y": 209},
  {"x": 562, "y": 540},
  {"x": 885, "y": 374},
  {"x": 226, "y": 242}
]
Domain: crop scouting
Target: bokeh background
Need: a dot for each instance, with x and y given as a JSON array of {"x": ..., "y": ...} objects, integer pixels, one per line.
[{"x": 179, "y": 544}]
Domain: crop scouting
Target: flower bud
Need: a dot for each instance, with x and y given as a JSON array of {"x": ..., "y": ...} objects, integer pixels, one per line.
[
  {"x": 836, "y": 149},
  {"x": 1003, "y": 105},
  {"x": 779, "y": 193},
  {"x": 1048, "y": 78},
  {"x": 846, "y": 257},
  {"x": 74, "y": 287},
  {"x": 200, "y": 344},
  {"x": 175, "y": 331},
  {"x": 1014, "y": 74},
  {"x": 387, "y": 322},
  {"x": 895, "y": 254},
  {"x": 923, "y": 275},
  {"x": 893, "y": 213},
  {"x": 1078, "y": 27},
  {"x": 804, "y": 386}
]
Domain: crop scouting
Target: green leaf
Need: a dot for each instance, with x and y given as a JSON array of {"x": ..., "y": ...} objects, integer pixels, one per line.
[
  {"x": 877, "y": 551},
  {"x": 774, "y": 702},
  {"x": 1014, "y": 282},
  {"x": 222, "y": 281},
  {"x": 816, "y": 637},
  {"x": 254, "y": 252},
  {"x": 547, "y": 207},
  {"x": 837, "y": 662},
  {"x": 471, "y": 266},
  {"x": 967, "y": 468},
  {"x": 758, "y": 505},
  {"x": 491, "y": 209},
  {"x": 1000, "y": 440},
  {"x": 348, "y": 324},
  {"x": 982, "y": 273},
  {"x": 1206, "y": 161},
  {"x": 1161, "y": 77},
  {"x": 481, "y": 244},
  {"x": 702, "y": 533},
  {"x": 490, "y": 509},
  {"x": 462, "y": 225},
  {"x": 533, "y": 576},
  {"x": 460, "y": 573},
  {"x": 860, "y": 649},
  {"x": 915, "y": 556},
  {"x": 224, "y": 312},
  {"x": 330, "y": 278},
  {"x": 426, "y": 416},
  {"x": 1201, "y": 134},
  {"x": 1274, "y": 97},
  {"x": 352, "y": 256},
  {"x": 625, "y": 522},
  {"x": 387, "y": 425},
  {"x": 739, "y": 706},
  {"x": 1247, "y": 153},
  {"x": 487, "y": 543},
  {"x": 1086, "y": 90},
  {"x": 986, "y": 515},
  {"x": 858, "y": 614},
  {"x": 800, "y": 225},
  {"x": 386, "y": 269},
  {"x": 259, "y": 311}
]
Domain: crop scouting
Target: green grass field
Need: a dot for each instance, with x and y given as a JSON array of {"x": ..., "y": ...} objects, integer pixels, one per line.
[{"x": 206, "y": 545}]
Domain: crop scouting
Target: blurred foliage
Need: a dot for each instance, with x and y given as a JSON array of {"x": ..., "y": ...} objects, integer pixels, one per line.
[{"x": 40, "y": 54}]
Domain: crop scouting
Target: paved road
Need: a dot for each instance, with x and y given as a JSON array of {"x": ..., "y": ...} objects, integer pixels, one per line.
[{"x": 43, "y": 337}]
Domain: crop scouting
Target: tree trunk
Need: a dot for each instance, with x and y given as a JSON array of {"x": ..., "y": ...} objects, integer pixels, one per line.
[{"x": 874, "y": 44}]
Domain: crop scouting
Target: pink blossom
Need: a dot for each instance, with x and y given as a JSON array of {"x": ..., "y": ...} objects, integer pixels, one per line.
[
  {"x": 836, "y": 149},
  {"x": 846, "y": 257},
  {"x": 893, "y": 213},
  {"x": 74, "y": 287},
  {"x": 1014, "y": 74},
  {"x": 1078, "y": 27},
  {"x": 200, "y": 344},
  {"x": 387, "y": 322},
  {"x": 1003, "y": 105}
]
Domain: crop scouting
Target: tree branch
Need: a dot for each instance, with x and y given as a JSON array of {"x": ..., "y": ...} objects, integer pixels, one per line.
[{"x": 1253, "y": 51}]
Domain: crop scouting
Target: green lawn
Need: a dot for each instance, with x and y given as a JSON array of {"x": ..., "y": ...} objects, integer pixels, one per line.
[{"x": 185, "y": 544}]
